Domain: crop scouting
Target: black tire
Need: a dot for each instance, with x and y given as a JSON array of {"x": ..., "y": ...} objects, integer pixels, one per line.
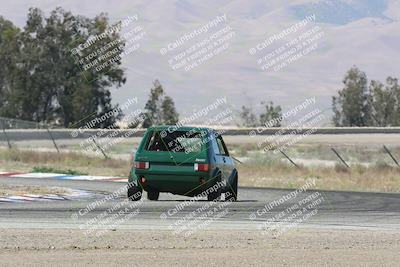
[
  {"x": 153, "y": 195},
  {"x": 134, "y": 192},
  {"x": 232, "y": 190},
  {"x": 216, "y": 195}
]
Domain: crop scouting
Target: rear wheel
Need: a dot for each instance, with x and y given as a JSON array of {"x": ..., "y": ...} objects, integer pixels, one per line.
[
  {"x": 153, "y": 195},
  {"x": 231, "y": 194},
  {"x": 134, "y": 192},
  {"x": 215, "y": 195}
]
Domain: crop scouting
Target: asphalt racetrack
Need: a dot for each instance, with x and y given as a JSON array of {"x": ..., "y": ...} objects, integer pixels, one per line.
[{"x": 336, "y": 210}]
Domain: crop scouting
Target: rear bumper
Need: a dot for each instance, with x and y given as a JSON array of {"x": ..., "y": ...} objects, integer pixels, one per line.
[{"x": 188, "y": 185}]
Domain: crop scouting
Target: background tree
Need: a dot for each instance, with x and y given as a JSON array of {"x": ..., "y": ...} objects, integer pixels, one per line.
[
  {"x": 159, "y": 109},
  {"x": 248, "y": 117},
  {"x": 9, "y": 50},
  {"x": 360, "y": 104},
  {"x": 351, "y": 107},
  {"x": 47, "y": 83},
  {"x": 392, "y": 85},
  {"x": 382, "y": 104},
  {"x": 169, "y": 114},
  {"x": 271, "y": 112}
]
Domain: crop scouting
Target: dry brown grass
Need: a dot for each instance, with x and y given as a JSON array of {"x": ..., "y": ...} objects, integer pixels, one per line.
[
  {"x": 379, "y": 177},
  {"x": 357, "y": 178},
  {"x": 21, "y": 160}
]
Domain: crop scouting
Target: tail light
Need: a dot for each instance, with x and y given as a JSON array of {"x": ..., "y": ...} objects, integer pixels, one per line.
[
  {"x": 201, "y": 167},
  {"x": 142, "y": 165}
]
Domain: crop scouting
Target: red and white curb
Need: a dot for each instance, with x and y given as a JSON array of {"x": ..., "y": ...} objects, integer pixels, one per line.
[
  {"x": 63, "y": 177},
  {"x": 71, "y": 194}
]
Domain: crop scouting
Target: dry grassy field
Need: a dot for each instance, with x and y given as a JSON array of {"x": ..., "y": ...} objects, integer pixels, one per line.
[{"x": 371, "y": 169}]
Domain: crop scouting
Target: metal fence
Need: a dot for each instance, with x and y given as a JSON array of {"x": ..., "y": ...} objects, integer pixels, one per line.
[{"x": 7, "y": 123}]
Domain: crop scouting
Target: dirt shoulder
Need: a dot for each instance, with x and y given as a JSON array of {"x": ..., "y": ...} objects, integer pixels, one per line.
[
  {"x": 17, "y": 190},
  {"x": 208, "y": 248}
]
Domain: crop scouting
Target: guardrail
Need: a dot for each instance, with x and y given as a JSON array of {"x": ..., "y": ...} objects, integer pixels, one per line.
[{"x": 43, "y": 134}]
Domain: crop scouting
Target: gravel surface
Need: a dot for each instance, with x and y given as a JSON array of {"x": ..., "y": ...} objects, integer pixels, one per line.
[
  {"x": 55, "y": 247},
  {"x": 16, "y": 190}
]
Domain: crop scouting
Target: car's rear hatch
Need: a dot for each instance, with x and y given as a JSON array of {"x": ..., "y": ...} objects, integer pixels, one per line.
[{"x": 171, "y": 157}]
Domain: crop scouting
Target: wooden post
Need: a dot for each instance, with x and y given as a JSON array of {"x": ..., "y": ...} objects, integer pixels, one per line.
[
  {"x": 341, "y": 159},
  {"x": 52, "y": 138},
  {"x": 390, "y": 154},
  {"x": 297, "y": 166},
  {"x": 102, "y": 151},
  {"x": 235, "y": 159},
  {"x": 5, "y": 134}
]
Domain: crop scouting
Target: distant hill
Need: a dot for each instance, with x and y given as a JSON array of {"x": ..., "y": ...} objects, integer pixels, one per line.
[{"x": 362, "y": 33}]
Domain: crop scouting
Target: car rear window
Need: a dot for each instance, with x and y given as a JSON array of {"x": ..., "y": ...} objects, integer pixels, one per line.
[{"x": 177, "y": 141}]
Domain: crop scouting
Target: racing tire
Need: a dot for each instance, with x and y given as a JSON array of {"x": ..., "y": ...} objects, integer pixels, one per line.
[
  {"x": 231, "y": 194},
  {"x": 215, "y": 195},
  {"x": 134, "y": 192},
  {"x": 153, "y": 195}
]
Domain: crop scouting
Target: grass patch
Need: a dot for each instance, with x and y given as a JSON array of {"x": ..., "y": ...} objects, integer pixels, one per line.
[
  {"x": 69, "y": 163},
  {"x": 54, "y": 170},
  {"x": 268, "y": 170},
  {"x": 261, "y": 170},
  {"x": 379, "y": 178}
]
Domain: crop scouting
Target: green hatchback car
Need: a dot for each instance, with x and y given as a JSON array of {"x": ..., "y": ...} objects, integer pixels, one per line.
[{"x": 186, "y": 161}]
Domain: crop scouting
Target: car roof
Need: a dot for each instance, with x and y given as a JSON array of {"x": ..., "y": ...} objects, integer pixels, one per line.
[{"x": 178, "y": 128}]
